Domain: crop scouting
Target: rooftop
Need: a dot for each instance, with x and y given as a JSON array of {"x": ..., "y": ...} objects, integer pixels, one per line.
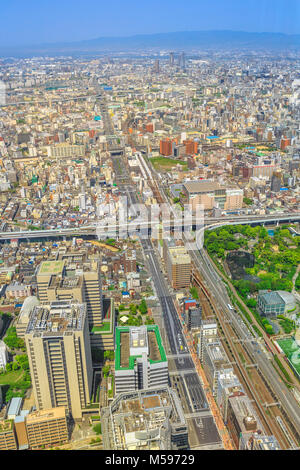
[
  {"x": 42, "y": 415},
  {"x": 271, "y": 298},
  {"x": 57, "y": 318},
  {"x": 131, "y": 342},
  {"x": 245, "y": 414},
  {"x": 6, "y": 425},
  {"x": 179, "y": 255},
  {"x": 202, "y": 186},
  {"x": 136, "y": 418},
  {"x": 51, "y": 267}
]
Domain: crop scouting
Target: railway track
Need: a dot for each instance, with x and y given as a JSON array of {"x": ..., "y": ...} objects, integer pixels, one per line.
[{"x": 254, "y": 383}]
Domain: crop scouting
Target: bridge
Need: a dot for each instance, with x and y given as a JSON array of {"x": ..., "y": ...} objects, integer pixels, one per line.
[{"x": 136, "y": 225}]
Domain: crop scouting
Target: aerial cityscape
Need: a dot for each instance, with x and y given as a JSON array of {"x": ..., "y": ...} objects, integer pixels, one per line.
[{"x": 150, "y": 235}]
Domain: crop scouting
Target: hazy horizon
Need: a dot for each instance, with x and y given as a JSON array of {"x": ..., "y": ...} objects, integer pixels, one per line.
[{"x": 36, "y": 23}]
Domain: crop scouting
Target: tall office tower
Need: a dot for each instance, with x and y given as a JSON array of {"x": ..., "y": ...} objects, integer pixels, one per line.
[
  {"x": 183, "y": 60},
  {"x": 73, "y": 276},
  {"x": 59, "y": 353},
  {"x": 156, "y": 66},
  {"x": 171, "y": 59}
]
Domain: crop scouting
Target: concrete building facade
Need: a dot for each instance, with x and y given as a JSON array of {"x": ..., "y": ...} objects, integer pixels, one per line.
[{"x": 58, "y": 347}]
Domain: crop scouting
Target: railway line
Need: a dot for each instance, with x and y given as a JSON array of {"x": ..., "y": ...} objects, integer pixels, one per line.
[{"x": 254, "y": 382}]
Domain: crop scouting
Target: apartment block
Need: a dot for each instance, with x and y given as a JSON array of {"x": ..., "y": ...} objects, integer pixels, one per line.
[{"x": 65, "y": 151}]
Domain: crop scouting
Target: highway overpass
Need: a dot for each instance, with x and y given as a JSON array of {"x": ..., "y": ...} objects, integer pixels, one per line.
[{"x": 102, "y": 230}]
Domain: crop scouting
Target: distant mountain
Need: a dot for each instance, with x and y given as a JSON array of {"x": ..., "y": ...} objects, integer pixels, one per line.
[{"x": 185, "y": 40}]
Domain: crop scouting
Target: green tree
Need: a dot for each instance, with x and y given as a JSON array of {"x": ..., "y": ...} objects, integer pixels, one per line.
[
  {"x": 97, "y": 428},
  {"x": 110, "y": 355},
  {"x": 143, "y": 307},
  {"x": 133, "y": 309}
]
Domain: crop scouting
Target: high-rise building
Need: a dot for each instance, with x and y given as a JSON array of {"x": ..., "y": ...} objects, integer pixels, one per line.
[
  {"x": 191, "y": 147},
  {"x": 24, "y": 315},
  {"x": 276, "y": 181},
  {"x": 59, "y": 353},
  {"x": 213, "y": 355},
  {"x": 156, "y": 66},
  {"x": 35, "y": 430},
  {"x": 73, "y": 276},
  {"x": 208, "y": 333},
  {"x": 182, "y": 60},
  {"x": 171, "y": 59},
  {"x": 284, "y": 143},
  {"x": 228, "y": 386},
  {"x": 178, "y": 264},
  {"x": 242, "y": 420},
  {"x": 166, "y": 148},
  {"x": 140, "y": 359}
]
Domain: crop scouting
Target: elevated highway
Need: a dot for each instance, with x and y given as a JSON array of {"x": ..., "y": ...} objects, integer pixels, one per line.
[{"x": 101, "y": 229}]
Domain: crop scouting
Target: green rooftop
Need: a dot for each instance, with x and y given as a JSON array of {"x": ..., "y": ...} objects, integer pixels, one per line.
[
  {"x": 132, "y": 359},
  {"x": 51, "y": 267},
  {"x": 292, "y": 352}
]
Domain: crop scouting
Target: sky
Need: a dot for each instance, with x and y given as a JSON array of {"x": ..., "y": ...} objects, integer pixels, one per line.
[{"x": 28, "y": 22}]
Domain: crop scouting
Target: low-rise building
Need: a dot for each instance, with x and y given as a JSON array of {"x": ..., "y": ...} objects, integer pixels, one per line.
[
  {"x": 274, "y": 303},
  {"x": 47, "y": 427},
  {"x": 7, "y": 435}
]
